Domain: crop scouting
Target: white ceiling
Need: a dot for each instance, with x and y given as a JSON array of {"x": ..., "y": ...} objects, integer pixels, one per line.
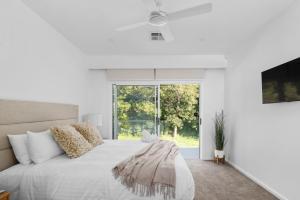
[{"x": 91, "y": 24}]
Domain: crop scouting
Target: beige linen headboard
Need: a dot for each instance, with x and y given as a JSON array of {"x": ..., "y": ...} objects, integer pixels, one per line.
[{"x": 17, "y": 117}]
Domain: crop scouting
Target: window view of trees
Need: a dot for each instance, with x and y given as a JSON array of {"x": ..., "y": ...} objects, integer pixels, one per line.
[
  {"x": 179, "y": 106},
  {"x": 136, "y": 110}
]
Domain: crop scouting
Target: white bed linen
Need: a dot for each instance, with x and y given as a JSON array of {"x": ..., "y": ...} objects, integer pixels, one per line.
[
  {"x": 10, "y": 179},
  {"x": 88, "y": 177}
]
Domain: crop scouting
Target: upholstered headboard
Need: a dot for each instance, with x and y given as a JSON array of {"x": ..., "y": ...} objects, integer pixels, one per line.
[{"x": 17, "y": 117}]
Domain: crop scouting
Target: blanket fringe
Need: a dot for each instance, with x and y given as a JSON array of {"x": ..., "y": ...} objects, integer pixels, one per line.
[{"x": 167, "y": 191}]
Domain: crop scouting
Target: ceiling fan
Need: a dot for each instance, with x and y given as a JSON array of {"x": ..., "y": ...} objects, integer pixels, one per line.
[{"x": 160, "y": 19}]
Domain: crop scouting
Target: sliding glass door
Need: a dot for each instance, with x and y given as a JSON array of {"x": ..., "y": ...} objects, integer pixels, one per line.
[
  {"x": 179, "y": 114},
  {"x": 168, "y": 110}
]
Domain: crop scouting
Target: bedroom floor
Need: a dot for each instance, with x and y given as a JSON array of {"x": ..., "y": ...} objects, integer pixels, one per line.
[{"x": 223, "y": 182}]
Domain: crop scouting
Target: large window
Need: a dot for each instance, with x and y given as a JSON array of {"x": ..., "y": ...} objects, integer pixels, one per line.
[{"x": 168, "y": 110}]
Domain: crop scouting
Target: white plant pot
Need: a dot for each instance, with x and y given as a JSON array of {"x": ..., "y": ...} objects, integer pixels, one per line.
[{"x": 219, "y": 154}]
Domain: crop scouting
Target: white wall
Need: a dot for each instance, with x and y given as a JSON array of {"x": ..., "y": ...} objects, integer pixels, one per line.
[
  {"x": 264, "y": 138},
  {"x": 36, "y": 62},
  {"x": 156, "y": 61},
  {"x": 100, "y": 99},
  {"x": 212, "y": 100}
]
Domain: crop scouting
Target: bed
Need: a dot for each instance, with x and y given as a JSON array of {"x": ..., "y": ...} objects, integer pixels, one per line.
[{"x": 87, "y": 177}]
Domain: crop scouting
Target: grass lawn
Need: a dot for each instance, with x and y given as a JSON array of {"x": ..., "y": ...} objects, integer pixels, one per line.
[
  {"x": 128, "y": 137},
  {"x": 181, "y": 141}
]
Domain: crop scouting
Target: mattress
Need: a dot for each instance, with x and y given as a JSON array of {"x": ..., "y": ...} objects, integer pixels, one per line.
[{"x": 86, "y": 177}]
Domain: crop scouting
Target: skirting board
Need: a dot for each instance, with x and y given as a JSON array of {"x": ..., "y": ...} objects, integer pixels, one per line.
[{"x": 257, "y": 181}]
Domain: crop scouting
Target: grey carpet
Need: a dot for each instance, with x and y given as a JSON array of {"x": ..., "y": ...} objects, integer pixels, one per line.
[{"x": 223, "y": 182}]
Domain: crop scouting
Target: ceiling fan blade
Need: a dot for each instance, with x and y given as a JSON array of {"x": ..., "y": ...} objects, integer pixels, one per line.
[
  {"x": 166, "y": 33},
  {"x": 131, "y": 26},
  {"x": 190, "y": 12},
  {"x": 150, "y": 4}
]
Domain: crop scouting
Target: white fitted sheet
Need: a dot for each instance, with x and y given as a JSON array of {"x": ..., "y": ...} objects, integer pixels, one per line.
[{"x": 86, "y": 177}]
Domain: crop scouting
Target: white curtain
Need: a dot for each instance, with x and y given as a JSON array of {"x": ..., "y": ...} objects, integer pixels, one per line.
[
  {"x": 154, "y": 74},
  {"x": 179, "y": 74},
  {"x": 130, "y": 74}
]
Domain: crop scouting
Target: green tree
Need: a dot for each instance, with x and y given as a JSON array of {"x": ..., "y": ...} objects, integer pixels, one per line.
[
  {"x": 136, "y": 108},
  {"x": 178, "y": 105}
]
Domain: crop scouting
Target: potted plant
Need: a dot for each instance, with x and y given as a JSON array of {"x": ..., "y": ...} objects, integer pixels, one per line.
[{"x": 219, "y": 135}]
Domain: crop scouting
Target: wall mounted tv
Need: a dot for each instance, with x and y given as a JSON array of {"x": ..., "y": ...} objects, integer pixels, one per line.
[{"x": 282, "y": 83}]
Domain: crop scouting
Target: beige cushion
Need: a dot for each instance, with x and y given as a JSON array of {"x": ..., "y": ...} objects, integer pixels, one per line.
[
  {"x": 89, "y": 132},
  {"x": 71, "y": 141}
]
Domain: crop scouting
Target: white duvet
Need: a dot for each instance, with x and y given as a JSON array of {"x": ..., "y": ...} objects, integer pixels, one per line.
[{"x": 86, "y": 178}]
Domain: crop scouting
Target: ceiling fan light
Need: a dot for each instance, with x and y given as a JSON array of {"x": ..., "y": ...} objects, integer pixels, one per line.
[{"x": 158, "y": 18}]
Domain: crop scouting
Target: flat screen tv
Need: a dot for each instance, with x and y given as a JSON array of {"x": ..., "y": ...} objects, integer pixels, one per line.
[{"x": 282, "y": 83}]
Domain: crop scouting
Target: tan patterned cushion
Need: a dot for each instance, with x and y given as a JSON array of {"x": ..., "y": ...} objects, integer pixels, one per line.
[
  {"x": 89, "y": 132},
  {"x": 71, "y": 141}
]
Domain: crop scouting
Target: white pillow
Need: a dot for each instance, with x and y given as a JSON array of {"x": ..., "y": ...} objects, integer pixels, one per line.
[
  {"x": 19, "y": 146},
  {"x": 147, "y": 137},
  {"x": 42, "y": 146}
]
